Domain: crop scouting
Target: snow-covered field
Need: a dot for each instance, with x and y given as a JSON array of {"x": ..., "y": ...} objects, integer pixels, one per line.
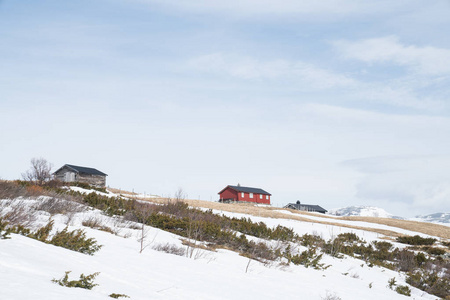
[{"x": 27, "y": 267}]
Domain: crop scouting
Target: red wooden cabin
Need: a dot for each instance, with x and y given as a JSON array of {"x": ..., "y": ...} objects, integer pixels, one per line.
[{"x": 243, "y": 193}]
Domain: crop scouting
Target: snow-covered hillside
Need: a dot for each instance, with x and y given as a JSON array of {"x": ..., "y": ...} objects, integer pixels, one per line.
[
  {"x": 28, "y": 266},
  {"x": 441, "y": 218},
  {"x": 365, "y": 211},
  {"x": 372, "y": 211}
]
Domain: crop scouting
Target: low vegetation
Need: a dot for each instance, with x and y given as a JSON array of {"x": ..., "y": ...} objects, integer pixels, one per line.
[
  {"x": 4, "y": 230},
  {"x": 415, "y": 240},
  {"x": 117, "y": 296},
  {"x": 170, "y": 248},
  {"x": 84, "y": 282},
  {"x": 75, "y": 240}
]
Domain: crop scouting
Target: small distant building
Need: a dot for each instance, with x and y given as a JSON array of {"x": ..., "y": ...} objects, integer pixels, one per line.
[
  {"x": 306, "y": 207},
  {"x": 236, "y": 193},
  {"x": 71, "y": 173}
]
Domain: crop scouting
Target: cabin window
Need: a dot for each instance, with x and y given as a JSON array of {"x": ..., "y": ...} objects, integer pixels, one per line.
[
  {"x": 260, "y": 196},
  {"x": 242, "y": 195},
  {"x": 251, "y": 195},
  {"x": 267, "y": 197}
]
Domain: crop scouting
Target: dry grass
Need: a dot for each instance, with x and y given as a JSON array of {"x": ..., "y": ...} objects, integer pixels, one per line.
[
  {"x": 122, "y": 192},
  {"x": 423, "y": 227},
  {"x": 274, "y": 212}
]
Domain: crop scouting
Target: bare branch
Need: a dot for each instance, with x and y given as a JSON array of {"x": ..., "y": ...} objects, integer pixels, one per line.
[{"x": 39, "y": 172}]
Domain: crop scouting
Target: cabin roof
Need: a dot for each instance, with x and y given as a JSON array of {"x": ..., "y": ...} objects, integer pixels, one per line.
[
  {"x": 246, "y": 189},
  {"x": 82, "y": 170},
  {"x": 301, "y": 206}
]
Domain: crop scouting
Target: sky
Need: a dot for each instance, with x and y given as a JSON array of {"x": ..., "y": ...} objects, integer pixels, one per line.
[{"x": 334, "y": 103}]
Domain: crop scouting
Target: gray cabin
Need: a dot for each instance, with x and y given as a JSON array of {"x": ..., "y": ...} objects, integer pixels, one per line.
[
  {"x": 306, "y": 207},
  {"x": 71, "y": 173}
]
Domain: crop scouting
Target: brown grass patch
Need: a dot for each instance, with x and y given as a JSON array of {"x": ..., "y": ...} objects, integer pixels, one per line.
[
  {"x": 441, "y": 231},
  {"x": 121, "y": 192},
  {"x": 199, "y": 245}
]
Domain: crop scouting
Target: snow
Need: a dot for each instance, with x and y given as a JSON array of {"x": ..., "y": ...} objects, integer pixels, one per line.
[
  {"x": 372, "y": 211},
  {"x": 28, "y": 266},
  {"x": 437, "y": 218},
  {"x": 320, "y": 217},
  {"x": 364, "y": 211},
  {"x": 85, "y": 191}
]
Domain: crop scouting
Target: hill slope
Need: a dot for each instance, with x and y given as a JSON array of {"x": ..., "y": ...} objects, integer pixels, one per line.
[{"x": 29, "y": 265}]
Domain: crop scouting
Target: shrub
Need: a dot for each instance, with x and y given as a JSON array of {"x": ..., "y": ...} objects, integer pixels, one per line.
[
  {"x": 43, "y": 233},
  {"x": 330, "y": 296},
  {"x": 392, "y": 282},
  {"x": 403, "y": 290},
  {"x": 430, "y": 281},
  {"x": 59, "y": 206},
  {"x": 116, "y": 296},
  {"x": 349, "y": 237},
  {"x": 75, "y": 240},
  {"x": 406, "y": 260},
  {"x": 307, "y": 258},
  {"x": 96, "y": 223},
  {"x": 435, "y": 251},
  {"x": 17, "y": 212},
  {"x": 11, "y": 190},
  {"x": 415, "y": 240},
  {"x": 19, "y": 229},
  {"x": 4, "y": 231},
  {"x": 85, "y": 282},
  {"x": 311, "y": 240},
  {"x": 170, "y": 248},
  {"x": 382, "y": 251},
  {"x": 92, "y": 222},
  {"x": 420, "y": 258}
]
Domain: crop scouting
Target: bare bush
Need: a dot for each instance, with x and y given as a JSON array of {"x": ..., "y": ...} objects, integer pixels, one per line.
[
  {"x": 92, "y": 222},
  {"x": 11, "y": 190},
  {"x": 170, "y": 248},
  {"x": 56, "y": 206},
  {"x": 17, "y": 212},
  {"x": 330, "y": 296},
  {"x": 119, "y": 224},
  {"x": 96, "y": 223},
  {"x": 39, "y": 172},
  {"x": 406, "y": 261}
]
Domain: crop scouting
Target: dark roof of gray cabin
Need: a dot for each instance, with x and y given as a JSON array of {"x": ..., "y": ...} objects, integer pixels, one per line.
[
  {"x": 246, "y": 189},
  {"x": 83, "y": 170},
  {"x": 301, "y": 206}
]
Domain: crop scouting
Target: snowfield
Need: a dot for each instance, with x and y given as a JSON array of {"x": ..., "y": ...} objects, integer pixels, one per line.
[
  {"x": 365, "y": 211},
  {"x": 27, "y": 267}
]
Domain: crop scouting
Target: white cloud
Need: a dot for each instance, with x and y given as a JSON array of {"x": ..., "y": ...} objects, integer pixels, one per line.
[
  {"x": 399, "y": 96},
  {"x": 284, "y": 7},
  {"x": 420, "y": 182},
  {"x": 249, "y": 68},
  {"x": 423, "y": 60}
]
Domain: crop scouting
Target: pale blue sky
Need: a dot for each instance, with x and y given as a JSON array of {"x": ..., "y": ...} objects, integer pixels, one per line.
[{"x": 331, "y": 102}]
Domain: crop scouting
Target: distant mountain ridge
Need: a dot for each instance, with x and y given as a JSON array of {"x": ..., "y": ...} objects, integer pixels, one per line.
[
  {"x": 372, "y": 211},
  {"x": 435, "y": 218}
]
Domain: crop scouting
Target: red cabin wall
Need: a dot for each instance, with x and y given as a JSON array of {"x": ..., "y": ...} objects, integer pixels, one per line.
[
  {"x": 229, "y": 194},
  {"x": 237, "y": 196},
  {"x": 255, "y": 199}
]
